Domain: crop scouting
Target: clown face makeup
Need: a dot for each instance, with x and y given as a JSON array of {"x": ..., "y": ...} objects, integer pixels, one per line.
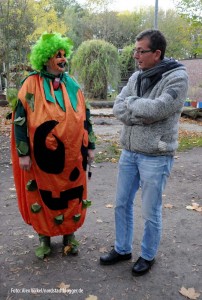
[{"x": 56, "y": 64}]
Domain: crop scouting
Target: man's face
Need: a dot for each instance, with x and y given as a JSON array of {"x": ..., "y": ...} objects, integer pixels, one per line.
[
  {"x": 57, "y": 63},
  {"x": 145, "y": 58}
]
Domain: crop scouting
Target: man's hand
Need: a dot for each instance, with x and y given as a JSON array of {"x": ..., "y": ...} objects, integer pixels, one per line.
[{"x": 25, "y": 162}]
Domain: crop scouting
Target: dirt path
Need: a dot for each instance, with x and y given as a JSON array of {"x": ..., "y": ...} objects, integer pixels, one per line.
[{"x": 110, "y": 125}]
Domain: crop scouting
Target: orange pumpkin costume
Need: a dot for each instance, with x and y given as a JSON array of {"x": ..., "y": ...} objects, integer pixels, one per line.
[{"x": 52, "y": 195}]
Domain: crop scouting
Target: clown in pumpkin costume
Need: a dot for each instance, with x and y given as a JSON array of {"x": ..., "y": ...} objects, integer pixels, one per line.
[{"x": 52, "y": 142}]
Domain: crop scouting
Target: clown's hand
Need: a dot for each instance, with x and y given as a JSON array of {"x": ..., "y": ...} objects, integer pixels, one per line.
[
  {"x": 91, "y": 156},
  {"x": 25, "y": 162}
]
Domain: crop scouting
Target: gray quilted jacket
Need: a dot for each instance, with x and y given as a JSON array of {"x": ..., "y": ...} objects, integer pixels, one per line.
[{"x": 150, "y": 122}]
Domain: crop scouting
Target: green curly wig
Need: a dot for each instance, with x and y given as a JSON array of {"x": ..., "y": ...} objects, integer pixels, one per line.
[{"x": 45, "y": 48}]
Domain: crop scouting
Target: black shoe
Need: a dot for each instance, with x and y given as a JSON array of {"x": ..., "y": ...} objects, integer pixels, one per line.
[
  {"x": 142, "y": 266},
  {"x": 113, "y": 257}
]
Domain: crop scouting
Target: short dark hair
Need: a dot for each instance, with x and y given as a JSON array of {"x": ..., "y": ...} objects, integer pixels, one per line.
[{"x": 156, "y": 38}]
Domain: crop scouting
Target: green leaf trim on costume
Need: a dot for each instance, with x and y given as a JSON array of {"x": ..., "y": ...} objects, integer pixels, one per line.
[
  {"x": 19, "y": 121},
  {"x": 30, "y": 100},
  {"x": 59, "y": 98},
  {"x": 35, "y": 208},
  {"x": 92, "y": 137},
  {"x": 90, "y": 121},
  {"x": 77, "y": 217},
  {"x": 31, "y": 185},
  {"x": 74, "y": 242},
  {"x": 72, "y": 89},
  {"x": 59, "y": 219},
  {"x": 42, "y": 251},
  {"x": 22, "y": 148},
  {"x": 86, "y": 203}
]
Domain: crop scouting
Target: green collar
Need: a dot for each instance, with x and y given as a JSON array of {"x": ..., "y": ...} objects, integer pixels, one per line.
[{"x": 71, "y": 86}]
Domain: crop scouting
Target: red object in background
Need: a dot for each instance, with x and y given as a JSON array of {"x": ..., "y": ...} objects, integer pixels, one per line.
[{"x": 194, "y": 104}]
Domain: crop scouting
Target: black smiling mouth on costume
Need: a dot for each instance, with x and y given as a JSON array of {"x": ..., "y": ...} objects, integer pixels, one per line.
[
  {"x": 62, "y": 201},
  {"x": 62, "y": 64}
]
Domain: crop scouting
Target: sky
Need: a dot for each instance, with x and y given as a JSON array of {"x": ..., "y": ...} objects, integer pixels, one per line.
[{"x": 131, "y": 5}]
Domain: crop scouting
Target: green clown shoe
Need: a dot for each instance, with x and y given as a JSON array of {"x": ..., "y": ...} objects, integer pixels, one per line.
[
  {"x": 70, "y": 244},
  {"x": 44, "y": 249}
]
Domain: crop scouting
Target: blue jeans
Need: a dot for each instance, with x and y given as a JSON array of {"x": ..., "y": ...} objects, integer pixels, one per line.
[{"x": 150, "y": 173}]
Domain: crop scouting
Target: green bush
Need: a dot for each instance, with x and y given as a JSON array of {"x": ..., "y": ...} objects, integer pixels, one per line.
[
  {"x": 12, "y": 97},
  {"x": 96, "y": 66},
  {"x": 127, "y": 62}
]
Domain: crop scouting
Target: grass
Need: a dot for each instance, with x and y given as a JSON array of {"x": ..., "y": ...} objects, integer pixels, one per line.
[
  {"x": 107, "y": 151},
  {"x": 189, "y": 140},
  {"x": 110, "y": 150}
]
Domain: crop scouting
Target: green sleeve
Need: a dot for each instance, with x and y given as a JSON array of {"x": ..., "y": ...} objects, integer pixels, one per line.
[
  {"x": 20, "y": 130},
  {"x": 91, "y": 134}
]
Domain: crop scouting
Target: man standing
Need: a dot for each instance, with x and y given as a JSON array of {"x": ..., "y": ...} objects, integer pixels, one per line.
[{"x": 149, "y": 107}]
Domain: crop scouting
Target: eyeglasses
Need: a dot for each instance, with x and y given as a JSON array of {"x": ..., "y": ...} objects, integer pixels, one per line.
[{"x": 140, "y": 52}]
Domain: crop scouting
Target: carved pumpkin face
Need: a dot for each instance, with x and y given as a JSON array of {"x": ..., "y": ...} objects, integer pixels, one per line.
[
  {"x": 52, "y": 161},
  {"x": 56, "y": 64}
]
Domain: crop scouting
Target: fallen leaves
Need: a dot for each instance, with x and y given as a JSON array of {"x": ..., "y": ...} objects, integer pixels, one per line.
[
  {"x": 92, "y": 297},
  {"x": 67, "y": 249},
  {"x": 190, "y": 121},
  {"x": 12, "y": 189},
  {"x": 168, "y": 205},
  {"x": 194, "y": 206},
  {"x": 114, "y": 160},
  {"x": 5, "y": 125},
  {"x": 109, "y": 205},
  {"x": 64, "y": 287},
  {"x": 103, "y": 250},
  {"x": 190, "y": 293},
  {"x": 189, "y": 139},
  {"x": 109, "y": 150},
  {"x": 30, "y": 236},
  {"x": 15, "y": 270}
]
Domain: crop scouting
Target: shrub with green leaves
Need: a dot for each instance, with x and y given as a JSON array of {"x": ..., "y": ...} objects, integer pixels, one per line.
[
  {"x": 127, "y": 61},
  {"x": 96, "y": 66},
  {"x": 12, "y": 97}
]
